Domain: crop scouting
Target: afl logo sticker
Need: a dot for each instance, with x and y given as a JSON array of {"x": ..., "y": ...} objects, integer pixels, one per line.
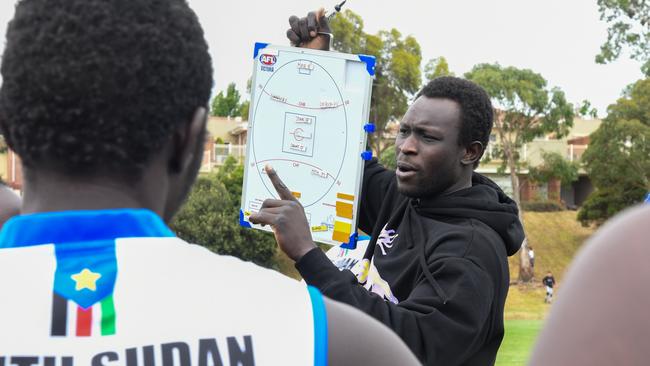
[{"x": 267, "y": 59}]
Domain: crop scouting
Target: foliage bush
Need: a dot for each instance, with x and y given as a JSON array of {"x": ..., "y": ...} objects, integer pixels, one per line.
[
  {"x": 210, "y": 218},
  {"x": 542, "y": 206},
  {"x": 387, "y": 158},
  {"x": 554, "y": 166},
  {"x": 618, "y": 157}
]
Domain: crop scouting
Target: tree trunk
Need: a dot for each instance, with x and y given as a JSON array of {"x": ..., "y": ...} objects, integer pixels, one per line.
[{"x": 525, "y": 269}]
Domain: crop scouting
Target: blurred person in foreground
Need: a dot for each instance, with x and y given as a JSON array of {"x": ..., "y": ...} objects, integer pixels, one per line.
[
  {"x": 435, "y": 270},
  {"x": 106, "y": 104},
  {"x": 602, "y": 319}
]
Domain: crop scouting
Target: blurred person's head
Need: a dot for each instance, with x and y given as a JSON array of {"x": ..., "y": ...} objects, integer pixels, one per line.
[{"x": 106, "y": 96}]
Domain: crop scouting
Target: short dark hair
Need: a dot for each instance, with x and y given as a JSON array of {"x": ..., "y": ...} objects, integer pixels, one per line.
[
  {"x": 476, "y": 108},
  {"x": 97, "y": 85}
]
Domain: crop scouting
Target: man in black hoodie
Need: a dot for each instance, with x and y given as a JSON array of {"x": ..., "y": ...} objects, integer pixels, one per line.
[{"x": 441, "y": 233}]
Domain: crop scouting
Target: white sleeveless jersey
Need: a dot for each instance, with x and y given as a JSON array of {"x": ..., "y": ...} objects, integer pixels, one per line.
[{"x": 115, "y": 287}]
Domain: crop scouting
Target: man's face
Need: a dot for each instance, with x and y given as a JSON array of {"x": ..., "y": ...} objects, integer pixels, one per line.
[{"x": 426, "y": 147}]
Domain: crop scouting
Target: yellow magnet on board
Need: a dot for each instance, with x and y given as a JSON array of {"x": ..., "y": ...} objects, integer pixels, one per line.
[
  {"x": 344, "y": 209},
  {"x": 345, "y": 196},
  {"x": 319, "y": 228}
]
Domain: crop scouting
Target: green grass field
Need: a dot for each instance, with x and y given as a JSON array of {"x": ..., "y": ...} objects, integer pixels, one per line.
[
  {"x": 518, "y": 342},
  {"x": 556, "y": 237}
]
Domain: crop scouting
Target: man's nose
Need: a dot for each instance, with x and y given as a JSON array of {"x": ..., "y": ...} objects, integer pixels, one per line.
[{"x": 408, "y": 145}]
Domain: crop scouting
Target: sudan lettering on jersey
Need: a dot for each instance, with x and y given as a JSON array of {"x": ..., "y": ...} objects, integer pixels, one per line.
[{"x": 166, "y": 354}]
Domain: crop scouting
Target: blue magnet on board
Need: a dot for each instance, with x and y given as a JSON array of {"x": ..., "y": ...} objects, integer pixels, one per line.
[
  {"x": 366, "y": 155},
  {"x": 369, "y": 127},
  {"x": 370, "y": 63},
  {"x": 242, "y": 221},
  {"x": 259, "y": 46},
  {"x": 352, "y": 244}
]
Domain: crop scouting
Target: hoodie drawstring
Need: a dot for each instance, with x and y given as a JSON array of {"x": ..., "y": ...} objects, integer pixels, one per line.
[{"x": 422, "y": 256}]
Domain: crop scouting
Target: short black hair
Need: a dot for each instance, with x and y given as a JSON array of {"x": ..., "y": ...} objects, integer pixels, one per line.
[
  {"x": 99, "y": 85},
  {"x": 476, "y": 109}
]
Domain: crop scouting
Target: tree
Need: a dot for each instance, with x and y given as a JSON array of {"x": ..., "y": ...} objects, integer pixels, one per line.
[
  {"x": 618, "y": 157},
  {"x": 629, "y": 27},
  {"x": 554, "y": 166},
  {"x": 397, "y": 69},
  {"x": 245, "y": 106},
  {"x": 388, "y": 159},
  {"x": 437, "y": 67},
  {"x": 210, "y": 218},
  {"x": 585, "y": 110},
  {"x": 226, "y": 105},
  {"x": 526, "y": 109},
  {"x": 244, "y": 109}
]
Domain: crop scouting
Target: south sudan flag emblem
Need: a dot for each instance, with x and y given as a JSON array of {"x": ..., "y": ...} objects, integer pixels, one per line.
[{"x": 82, "y": 299}]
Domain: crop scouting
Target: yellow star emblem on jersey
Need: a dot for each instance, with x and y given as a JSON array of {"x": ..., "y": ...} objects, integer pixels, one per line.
[{"x": 86, "y": 280}]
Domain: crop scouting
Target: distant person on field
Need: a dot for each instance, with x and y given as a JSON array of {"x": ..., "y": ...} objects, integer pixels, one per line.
[
  {"x": 603, "y": 320},
  {"x": 531, "y": 257},
  {"x": 549, "y": 282}
]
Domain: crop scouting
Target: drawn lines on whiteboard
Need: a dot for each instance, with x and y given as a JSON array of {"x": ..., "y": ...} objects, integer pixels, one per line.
[
  {"x": 299, "y": 131},
  {"x": 324, "y": 104},
  {"x": 295, "y": 163}
]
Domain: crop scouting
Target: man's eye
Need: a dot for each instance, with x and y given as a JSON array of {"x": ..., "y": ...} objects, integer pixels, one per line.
[
  {"x": 429, "y": 138},
  {"x": 403, "y": 131}
]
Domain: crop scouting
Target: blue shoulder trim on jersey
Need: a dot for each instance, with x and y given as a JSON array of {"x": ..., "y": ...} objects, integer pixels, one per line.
[
  {"x": 258, "y": 47},
  {"x": 320, "y": 326},
  {"x": 81, "y": 226}
]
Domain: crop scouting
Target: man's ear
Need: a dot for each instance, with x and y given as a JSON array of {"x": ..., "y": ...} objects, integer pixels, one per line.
[
  {"x": 473, "y": 153},
  {"x": 185, "y": 140}
]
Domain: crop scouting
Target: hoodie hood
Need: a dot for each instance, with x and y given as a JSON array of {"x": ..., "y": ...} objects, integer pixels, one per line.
[{"x": 484, "y": 201}]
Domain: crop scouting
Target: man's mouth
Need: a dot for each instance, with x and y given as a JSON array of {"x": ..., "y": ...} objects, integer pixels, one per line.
[{"x": 405, "y": 170}]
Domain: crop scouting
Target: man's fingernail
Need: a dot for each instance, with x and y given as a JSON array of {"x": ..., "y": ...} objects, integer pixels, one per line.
[{"x": 268, "y": 167}]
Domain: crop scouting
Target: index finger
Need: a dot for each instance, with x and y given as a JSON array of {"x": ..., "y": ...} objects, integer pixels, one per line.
[{"x": 280, "y": 187}]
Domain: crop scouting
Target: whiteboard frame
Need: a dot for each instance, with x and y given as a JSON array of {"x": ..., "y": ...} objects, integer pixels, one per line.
[{"x": 311, "y": 54}]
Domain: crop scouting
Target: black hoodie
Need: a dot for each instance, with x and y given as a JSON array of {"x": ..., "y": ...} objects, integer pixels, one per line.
[{"x": 445, "y": 261}]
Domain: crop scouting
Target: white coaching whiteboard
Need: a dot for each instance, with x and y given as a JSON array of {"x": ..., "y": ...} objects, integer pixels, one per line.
[{"x": 308, "y": 119}]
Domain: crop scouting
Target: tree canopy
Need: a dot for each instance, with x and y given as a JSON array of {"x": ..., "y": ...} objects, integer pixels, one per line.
[
  {"x": 554, "y": 166},
  {"x": 618, "y": 157},
  {"x": 526, "y": 108},
  {"x": 437, "y": 67},
  {"x": 227, "y": 105},
  {"x": 628, "y": 27}
]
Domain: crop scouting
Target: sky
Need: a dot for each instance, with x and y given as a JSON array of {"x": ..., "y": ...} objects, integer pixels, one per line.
[{"x": 556, "y": 38}]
